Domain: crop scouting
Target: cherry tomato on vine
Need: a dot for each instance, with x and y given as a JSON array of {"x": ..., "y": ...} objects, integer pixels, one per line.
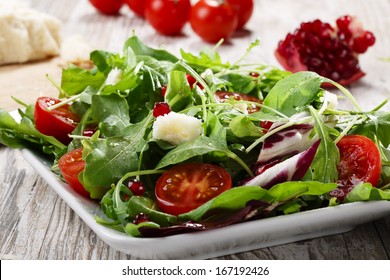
[
  {"x": 213, "y": 20},
  {"x": 167, "y": 17},
  {"x": 70, "y": 165},
  {"x": 59, "y": 122},
  {"x": 360, "y": 161},
  {"x": 137, "y": 6},
  {"x": 243, "y": 9},
  {"x": 226, "y": 95},
  {"x": 107, "y": 7},
  {"x": 189, "y": 185}
]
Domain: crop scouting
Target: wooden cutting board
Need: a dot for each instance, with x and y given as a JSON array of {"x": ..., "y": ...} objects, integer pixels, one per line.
[{"x": 28, "y": 81}]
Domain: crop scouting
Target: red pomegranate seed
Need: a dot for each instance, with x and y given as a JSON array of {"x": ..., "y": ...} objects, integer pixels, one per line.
[
  {"x": 140, "y": 218},
  {"x": 191, "y": 80},
  {"x": 136, "y": 187},
  {"x": 163, "y": 91},
  {"x": 329, "y": 51},
  {"x": 265, "y": 125},
  {"x": 343, "y": 23},
  {"x": 363, "y": 42},
  {"x": 161, "y": 109}
]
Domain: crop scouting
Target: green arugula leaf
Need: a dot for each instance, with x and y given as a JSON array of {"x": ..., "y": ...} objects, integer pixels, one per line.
[
  {"x": 377, "y": 125},
  {"x": 230, "y": 200},
  {"x": 111, "y": 112},
  {"x": 24, "y": 133},
  {"x": 287, "y": 191},
  {"x": 106, "y": 61},
  {"x": 179, "y": 94},
  {"x": 207, "y": 59},
  {"x": 197, "y": 147},
  {"x": 294, "y": 93},
  {"x": 140, "y": 204},
  {"x": 139, "y": 48},
  {"x": 243, "y": 127},
  {"x": 241, "y": 83},
  {"x": 75, "y": 80},
  {"x": 128, "y": 82},
  {"x": 366, "y": 192},
  {"x": 324, "y": 165},
  {"x": 107, "y": 160}
]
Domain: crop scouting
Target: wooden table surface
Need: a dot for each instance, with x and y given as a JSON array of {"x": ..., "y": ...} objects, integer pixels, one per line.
[{"x": 35, "y": 223}]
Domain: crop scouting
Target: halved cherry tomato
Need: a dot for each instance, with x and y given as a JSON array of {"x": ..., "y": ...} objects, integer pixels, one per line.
[
  {"x": 360, "y": 161},
  {"x": 58, "y": 123},
  {"x": 70, "y": 165},
  {"x": 187, "y": 186},
  {"x": 225, "y": 95},
  {"x": 167, "y": 16},
  {"x": 108, "y": 7},
  {"x": 213, "y": 20}
]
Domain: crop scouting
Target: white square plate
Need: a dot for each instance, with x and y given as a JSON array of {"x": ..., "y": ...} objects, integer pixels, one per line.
[{"x": 222, "y": 241}]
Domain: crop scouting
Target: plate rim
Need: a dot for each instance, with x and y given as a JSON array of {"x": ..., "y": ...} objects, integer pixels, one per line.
[{"x": 223, "y": 239}]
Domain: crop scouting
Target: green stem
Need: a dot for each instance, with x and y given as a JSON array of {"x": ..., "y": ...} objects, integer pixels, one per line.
[
  {"x": 198, "y": 78},
  {"x": 240, "y": 162},
  {"x": 273, "y": 131},
  {"x": 57, "y": 86},
  {"x": 346, "y": 93},
  {"x": 345, "y": 131},
  {"x": 247, "y": 51},
  {"x": 62, "y": 103},
  {"x": 138, "y": 173}
]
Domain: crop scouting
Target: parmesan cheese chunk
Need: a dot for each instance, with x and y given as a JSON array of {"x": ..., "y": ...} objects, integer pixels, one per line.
[
  {"x": 26, "y": 34},
  {"x": 176, "y": 128}
]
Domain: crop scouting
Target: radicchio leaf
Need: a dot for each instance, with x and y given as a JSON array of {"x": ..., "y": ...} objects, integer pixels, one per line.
[
  {"x": 291, "y": 169},
  {"x": 286, "y": 142}
]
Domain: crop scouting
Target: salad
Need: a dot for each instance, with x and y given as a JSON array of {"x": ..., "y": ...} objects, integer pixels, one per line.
[{"x": 168, "y": 145}]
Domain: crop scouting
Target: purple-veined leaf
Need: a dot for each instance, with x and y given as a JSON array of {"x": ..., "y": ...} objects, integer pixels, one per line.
[
  {"x": 291, "y": 169},
  {"x": 286, "y": 142}
]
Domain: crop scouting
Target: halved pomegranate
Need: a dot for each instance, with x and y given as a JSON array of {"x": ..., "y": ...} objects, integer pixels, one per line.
[{"x": 330, "y": 51}]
